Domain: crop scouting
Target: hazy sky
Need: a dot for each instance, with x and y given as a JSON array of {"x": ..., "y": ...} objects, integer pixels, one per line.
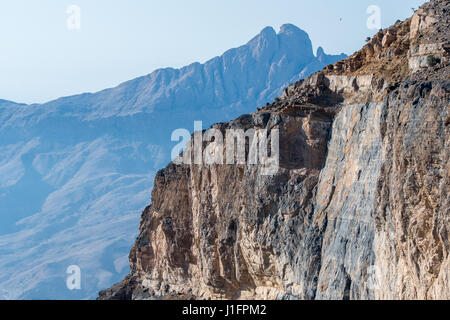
[{"x": 41, "y": 59}]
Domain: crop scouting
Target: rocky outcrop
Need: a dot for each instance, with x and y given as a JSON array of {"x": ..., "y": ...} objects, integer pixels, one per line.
[
  {"x": 76, "y": 172},
  {"x": 359, "y": 208}
]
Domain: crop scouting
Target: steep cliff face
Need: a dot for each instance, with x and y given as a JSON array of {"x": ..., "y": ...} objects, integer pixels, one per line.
[
  {"x": 76, "y": 172},
  {"x": 359, "y": 208}
]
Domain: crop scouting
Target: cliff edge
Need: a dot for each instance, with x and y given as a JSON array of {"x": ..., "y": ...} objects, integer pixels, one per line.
[{"x": 359, "y": 205}]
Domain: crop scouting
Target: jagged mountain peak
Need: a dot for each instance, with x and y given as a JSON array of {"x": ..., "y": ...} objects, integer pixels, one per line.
[
  {"x": 287, "y": 29},
  {"x": 289, "y": 38},
  {"x": 267, "y": 32},
  {"x": 282, "y": 58},
  {"x": 293, "y": 30}
]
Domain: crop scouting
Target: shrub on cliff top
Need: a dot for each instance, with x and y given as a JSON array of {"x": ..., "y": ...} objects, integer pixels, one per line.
[{"x": 432, "y": 61}]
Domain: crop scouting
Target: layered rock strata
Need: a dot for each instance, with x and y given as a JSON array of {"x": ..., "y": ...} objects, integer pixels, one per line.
[{"x": 359, "y": 208}]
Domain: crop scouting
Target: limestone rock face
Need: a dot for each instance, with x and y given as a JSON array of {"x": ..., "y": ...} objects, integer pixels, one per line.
[
  {"x": 359, "y": 208},
  {"x": 76, "y": 172}
]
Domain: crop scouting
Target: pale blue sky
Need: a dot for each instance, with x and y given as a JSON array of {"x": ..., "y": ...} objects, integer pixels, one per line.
[{"x": 40, "y": 59}]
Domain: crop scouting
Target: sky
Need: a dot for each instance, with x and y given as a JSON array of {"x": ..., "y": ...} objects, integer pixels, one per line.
[{"x": 45, "y": 53}]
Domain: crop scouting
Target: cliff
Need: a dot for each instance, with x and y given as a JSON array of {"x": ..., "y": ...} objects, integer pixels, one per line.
[
  {"x": 76, "y": 172},
  {"x": 359, "y": 205}
]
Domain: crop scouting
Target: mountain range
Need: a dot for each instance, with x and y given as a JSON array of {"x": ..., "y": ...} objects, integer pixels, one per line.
[
  {"x": 76, "y": 172},
  {"x": 356, "y": 208}
]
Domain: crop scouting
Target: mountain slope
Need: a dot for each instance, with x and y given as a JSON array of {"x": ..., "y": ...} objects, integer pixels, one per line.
[
  {"x": 76, "y": 172},
  {"x": 359, "y": 205}
]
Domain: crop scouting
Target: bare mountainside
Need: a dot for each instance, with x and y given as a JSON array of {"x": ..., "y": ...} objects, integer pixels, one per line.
[
  {"x": 358, "y": 209},
  {"x": 75, "y": 173}
]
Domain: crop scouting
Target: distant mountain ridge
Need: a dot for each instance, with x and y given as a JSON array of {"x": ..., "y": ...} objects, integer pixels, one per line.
[
  {"x": 76, "y": 172},
  {"x": 229, "y": 81}
]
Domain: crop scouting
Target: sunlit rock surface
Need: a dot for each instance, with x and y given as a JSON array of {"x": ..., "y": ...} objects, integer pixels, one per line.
[
  {"x": 75, "y": 173},
  {"x": 359, "y": 208}
]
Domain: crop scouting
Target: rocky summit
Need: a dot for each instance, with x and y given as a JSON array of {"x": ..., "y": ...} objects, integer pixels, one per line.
[{"x": 358, "y": 209}]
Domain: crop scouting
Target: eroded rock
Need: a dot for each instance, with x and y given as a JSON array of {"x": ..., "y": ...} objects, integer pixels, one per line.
[{"x": 359, "y": 208}]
